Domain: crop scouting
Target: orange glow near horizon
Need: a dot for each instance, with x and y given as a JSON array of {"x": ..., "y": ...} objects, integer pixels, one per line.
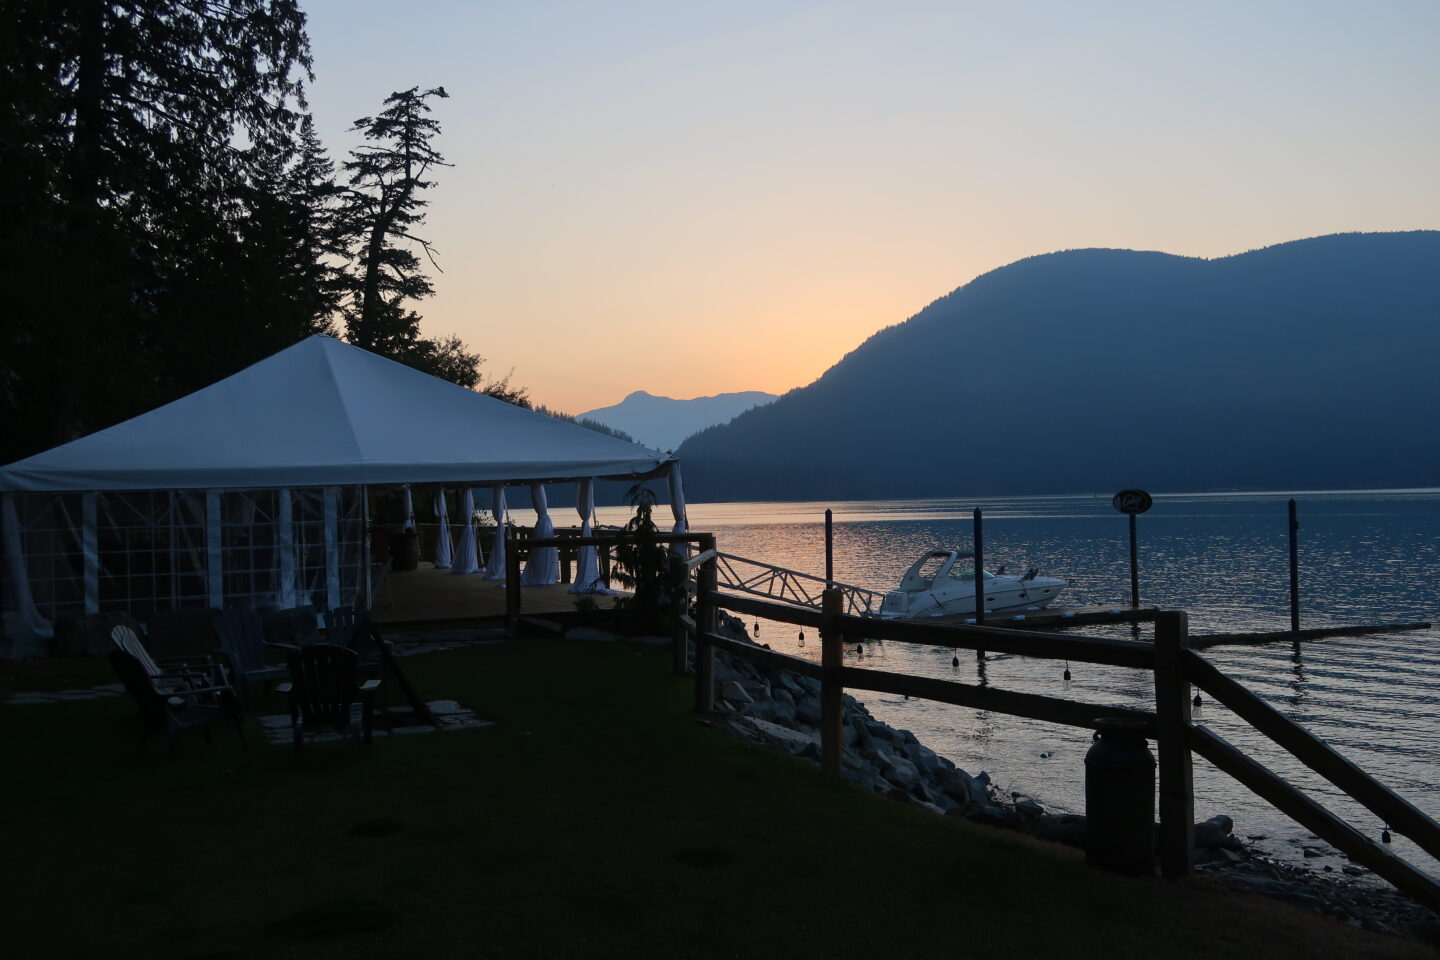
[{"x": 693, "y": 200}]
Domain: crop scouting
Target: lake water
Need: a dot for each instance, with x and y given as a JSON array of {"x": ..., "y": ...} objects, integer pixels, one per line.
[{"x": 1365, "y": 558}]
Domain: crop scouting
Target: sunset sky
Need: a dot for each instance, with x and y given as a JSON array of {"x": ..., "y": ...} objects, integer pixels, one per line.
[{"x": 693, "y": 198}]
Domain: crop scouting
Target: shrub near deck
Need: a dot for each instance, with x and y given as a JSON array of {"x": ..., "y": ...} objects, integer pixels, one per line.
[{"x": 596, "y": 818}]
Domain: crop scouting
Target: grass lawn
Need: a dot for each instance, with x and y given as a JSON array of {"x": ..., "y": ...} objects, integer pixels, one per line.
[{"x": 598, "y": 817}]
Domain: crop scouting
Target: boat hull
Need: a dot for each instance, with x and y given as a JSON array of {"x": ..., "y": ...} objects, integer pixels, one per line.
[{"x": 1003, "y": 595}]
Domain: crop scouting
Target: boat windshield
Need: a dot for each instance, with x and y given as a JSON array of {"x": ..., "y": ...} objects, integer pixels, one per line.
[
  {"x": 966, "y": 571},
  {"x": 931, "y": 566}
]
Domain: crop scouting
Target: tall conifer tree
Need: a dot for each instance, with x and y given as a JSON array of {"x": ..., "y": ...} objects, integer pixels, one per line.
[
  {"x": 383, "y": 206},
  {"x": 131, "y": 141}
]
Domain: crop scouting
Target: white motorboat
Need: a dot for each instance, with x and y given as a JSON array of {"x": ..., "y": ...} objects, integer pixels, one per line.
[{"x": 942, "y": 583}]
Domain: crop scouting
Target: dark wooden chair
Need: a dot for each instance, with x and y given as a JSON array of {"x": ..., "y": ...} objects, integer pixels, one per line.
[
  {"x": 174, "y": 713},
  {"x": 341, "y": 624},
  {"x": 295, "y": 627},
  {"x": 352, "y": 628},
  {"x": 171, "y": 674},
  {"x": 243, "y": 645},
  {"x": 324, "y": 694}
]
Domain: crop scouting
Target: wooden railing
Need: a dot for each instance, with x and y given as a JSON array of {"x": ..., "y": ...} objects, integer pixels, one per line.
[
  {"x": 1175, "y": 666},
  {"x": 517, "y": 551},
  {"x": 1177, "y": 738},
  {"x": 743, "y": 575}
]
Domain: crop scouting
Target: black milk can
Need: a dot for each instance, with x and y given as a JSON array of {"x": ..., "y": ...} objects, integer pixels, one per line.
[{"x": 1120, "y": 798}]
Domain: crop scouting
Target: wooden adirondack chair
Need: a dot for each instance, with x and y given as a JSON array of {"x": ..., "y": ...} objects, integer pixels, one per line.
[
  {"x": 323, "y": 693},
  {"x": 290, "y": 628},
  {"x": 180, "y": 674},
  {"x": 353, "y": 629},
  {"x": 175, "y": 713},
  {"x": 341, "y": 624},
  {"x": 242, "y": 643}
]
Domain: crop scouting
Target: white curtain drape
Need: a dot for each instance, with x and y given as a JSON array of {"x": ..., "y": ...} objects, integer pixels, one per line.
[
  {"x": 465, "y": 560},
  {"x": 587, "y": 567},
  {"x": 543, "y": 567},
  {"x": 677, "y": 510},
  {"x": 496, "y": 570},
  {"x": 443, "y": 554},
  {"x": 677, "y": 500},
  {"x": 25, "y": 638},
  {"x": 409, "y": 510},
  {"x": 479, "y": 547}
]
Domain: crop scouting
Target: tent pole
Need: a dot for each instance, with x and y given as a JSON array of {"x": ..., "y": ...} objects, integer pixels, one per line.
[
  {"x": 332, "y": 551},
  {"x": 172, "y": 507},
  {"x": 214, "y": 575},
  {"x": 286, "y": 537},
  {"x": 90, "y": 542},
  {"x": 365, "y": 525}
]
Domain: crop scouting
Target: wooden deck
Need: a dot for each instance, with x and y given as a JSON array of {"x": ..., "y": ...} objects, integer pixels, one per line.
[{"x": 427, "y": 594}]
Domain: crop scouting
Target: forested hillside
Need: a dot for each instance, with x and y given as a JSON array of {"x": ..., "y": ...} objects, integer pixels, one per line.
[{"x": 1309, "y": 364}]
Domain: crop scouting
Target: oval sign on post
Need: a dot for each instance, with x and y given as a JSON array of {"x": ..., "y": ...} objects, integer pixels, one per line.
[{"x": 1132, "y": 501}]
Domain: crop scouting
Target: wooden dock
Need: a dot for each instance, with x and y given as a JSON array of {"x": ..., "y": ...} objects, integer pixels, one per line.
[
  {"x": 1051, "y": 618},
  {"x": 1059, "y": 618},
  {"x": 1199, "y": 641}
]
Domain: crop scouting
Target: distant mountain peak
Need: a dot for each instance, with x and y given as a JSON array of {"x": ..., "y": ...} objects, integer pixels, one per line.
[{"x": 665, "y": 422}]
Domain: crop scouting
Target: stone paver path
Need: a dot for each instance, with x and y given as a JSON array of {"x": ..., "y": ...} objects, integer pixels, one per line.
[
  {"x": 403, "y": 645},
  {"x": 390, "y": 721}
]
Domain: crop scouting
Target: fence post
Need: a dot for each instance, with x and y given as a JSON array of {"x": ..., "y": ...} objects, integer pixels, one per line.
[
  {"x": 706, "y": 621},
  {"x": 512, "y": 584},
  {"x": 1172, "y": 729},
  {"x": 679, "y": 607},
  {"x": 1294, "y": 526},
  {"x": 832, "y": 691}
]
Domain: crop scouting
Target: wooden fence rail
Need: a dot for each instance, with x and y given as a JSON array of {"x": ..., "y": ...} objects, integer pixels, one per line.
[
  {"x": 1170, "y": 725},
  {"x": 1398, "y": 813},
  {"x": 1032, "y": 706},
  {"x": 1025, "y": 643},
  {"x": 779, "y": 612},
  {"x": 769, "y": 659},
  {"x": 1311, "y": 815}
]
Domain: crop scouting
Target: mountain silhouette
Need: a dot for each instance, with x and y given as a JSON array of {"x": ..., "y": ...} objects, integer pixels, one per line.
[
  {"x": 1305, "y": 365},
  {"x": 663, "y": 422}
]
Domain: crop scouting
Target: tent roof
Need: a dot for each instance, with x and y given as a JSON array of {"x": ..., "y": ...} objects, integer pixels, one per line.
[{"x": 324, "y": 413}]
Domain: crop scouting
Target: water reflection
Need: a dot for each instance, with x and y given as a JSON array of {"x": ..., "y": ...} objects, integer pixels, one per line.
[
  {"x": 1297, "y": 682},
  {"x": 1222, "y": 558}
]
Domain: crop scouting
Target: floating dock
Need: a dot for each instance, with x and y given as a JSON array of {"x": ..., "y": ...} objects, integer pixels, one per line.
[
  {"x": 1051, "y": 618},
  {"x": 1059, "y": 618}
]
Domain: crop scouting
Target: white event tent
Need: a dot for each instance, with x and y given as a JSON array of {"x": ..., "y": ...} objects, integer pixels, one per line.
[{"x": 254, "y": 490}]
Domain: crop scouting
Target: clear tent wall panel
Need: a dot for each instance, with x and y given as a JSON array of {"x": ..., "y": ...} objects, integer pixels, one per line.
[{"x": 151, "y": 548}]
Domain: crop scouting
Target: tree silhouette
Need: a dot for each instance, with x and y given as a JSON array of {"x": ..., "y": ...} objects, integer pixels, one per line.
[
  {"x": 383, "y": 206},
  {"x": 375, "y": 226},
  {"x": 135, "y": 137}
]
